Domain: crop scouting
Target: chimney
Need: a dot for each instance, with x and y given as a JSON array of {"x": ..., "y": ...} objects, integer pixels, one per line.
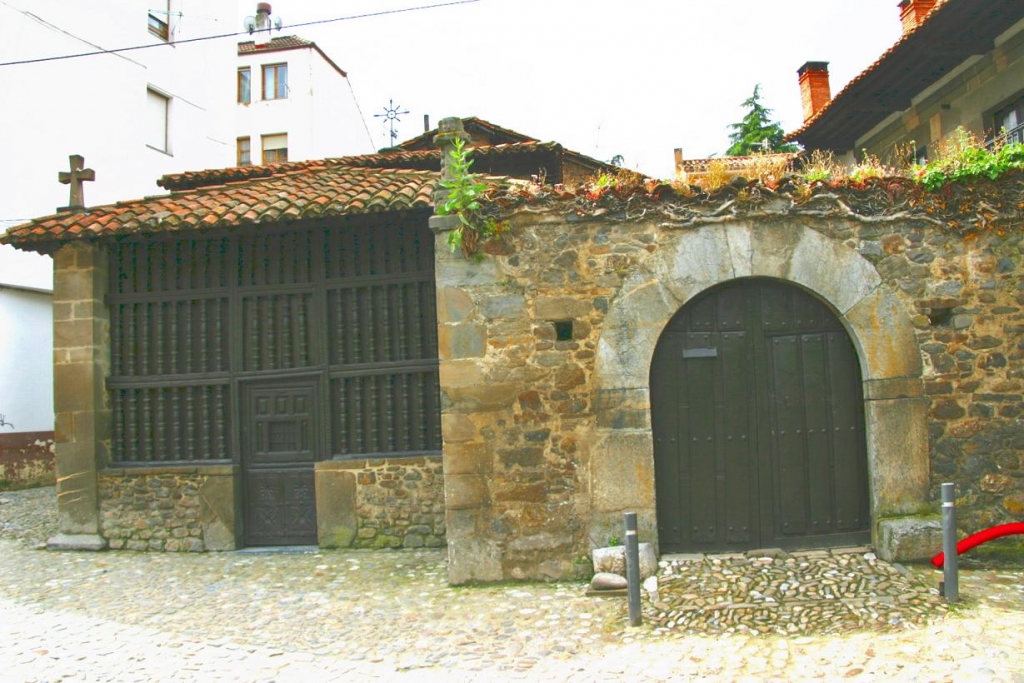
[
  {"x": 814, "y": 88},
  {"x": 913, "y": 12}
]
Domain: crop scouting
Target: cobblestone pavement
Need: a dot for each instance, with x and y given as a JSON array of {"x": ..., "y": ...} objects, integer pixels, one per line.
[{"x": 127, "y": 616}]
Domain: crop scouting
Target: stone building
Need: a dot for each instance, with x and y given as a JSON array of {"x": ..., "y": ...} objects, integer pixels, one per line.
[
  {"x": 958, "y": 63},
  {"x": 299, "y": 357}
]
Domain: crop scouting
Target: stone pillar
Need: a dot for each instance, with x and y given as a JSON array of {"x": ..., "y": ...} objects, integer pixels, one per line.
[
  {"x": 467, "y": 460},
  {"x": 81, "y": 363}
]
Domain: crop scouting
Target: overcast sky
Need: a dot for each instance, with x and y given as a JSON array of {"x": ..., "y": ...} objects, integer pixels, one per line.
[{"x": 632, "y": 77}]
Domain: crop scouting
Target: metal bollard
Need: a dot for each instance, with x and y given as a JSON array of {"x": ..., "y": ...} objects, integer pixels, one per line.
[
  {"x": 950, "y": 562},
  {"x": 633, "y": 570}
]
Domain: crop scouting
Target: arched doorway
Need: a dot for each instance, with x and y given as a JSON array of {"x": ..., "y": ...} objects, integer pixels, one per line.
[{"x": 758, "y": 422}]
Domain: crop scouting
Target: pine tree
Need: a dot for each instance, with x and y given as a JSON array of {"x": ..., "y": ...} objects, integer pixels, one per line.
[{"x": 757, "y": 132}]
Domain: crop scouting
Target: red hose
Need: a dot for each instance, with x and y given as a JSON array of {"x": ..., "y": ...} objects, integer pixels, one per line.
[{"x": 983, "y": 536}]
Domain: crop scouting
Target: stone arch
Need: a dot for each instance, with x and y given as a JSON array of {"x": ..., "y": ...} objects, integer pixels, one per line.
[{"x": 891, "y": 366}]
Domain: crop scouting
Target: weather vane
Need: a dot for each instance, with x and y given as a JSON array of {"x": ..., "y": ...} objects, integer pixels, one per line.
[{"x": 390, "y": 117}]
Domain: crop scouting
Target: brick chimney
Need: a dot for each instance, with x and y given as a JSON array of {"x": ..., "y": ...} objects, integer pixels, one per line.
[
  {"x": 814, "y": 88},
  {"x": 913, "y": 12}
]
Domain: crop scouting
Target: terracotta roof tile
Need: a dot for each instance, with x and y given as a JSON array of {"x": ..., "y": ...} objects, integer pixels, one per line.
[
  {"x": 280, "y": 43},
  {"x": 287, "y": 196},
  {"x": 423, "y": 160}
]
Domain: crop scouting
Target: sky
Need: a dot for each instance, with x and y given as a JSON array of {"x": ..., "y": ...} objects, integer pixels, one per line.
[{"x": 636, "y": 78}]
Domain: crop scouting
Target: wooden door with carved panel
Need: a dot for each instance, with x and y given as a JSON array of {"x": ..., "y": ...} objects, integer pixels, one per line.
[{"x": 279, "y": 448}]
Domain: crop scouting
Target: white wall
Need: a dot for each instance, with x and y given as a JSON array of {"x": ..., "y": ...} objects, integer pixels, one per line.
[
  {"x": 26, "y": 384},
  {"x": 94, "y": 106},
  {"x": 319, "y": 115}
]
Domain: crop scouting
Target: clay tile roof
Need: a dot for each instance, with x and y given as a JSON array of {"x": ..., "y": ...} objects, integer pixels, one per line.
[
  {"x": 279, "y": 43},
  {"x": 950, "y": 33},
  {"x": 286, "y": 43},
  {"x": 473, "y": 125},
  {"x": 283, "y": 197},
  {"x": 422, "y": 160}
]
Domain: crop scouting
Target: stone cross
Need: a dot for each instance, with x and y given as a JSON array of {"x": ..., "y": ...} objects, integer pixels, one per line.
[{"x": 75, "y": 178}]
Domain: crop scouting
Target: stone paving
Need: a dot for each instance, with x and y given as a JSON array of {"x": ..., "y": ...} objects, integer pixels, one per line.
[{"x": 391, "y": 615}]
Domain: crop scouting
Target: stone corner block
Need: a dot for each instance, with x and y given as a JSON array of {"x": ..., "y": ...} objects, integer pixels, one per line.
[
  {"x": 92, "y": 542},
  {"x": 909, "y": 539},
  {"x": 473, "y": 560}
]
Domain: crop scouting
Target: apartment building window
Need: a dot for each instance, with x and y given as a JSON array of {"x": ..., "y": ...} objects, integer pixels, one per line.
[
  {"x": 244, "y": 152},
  {"x": 1009, "y": 121},
  {"x": 158, "y": 120},
  {"x": 244, "y": 85},
  {"x": 275, "y": 81},
  {"x": 159, "y": 19},
  {"x": 275, "y": 148}
]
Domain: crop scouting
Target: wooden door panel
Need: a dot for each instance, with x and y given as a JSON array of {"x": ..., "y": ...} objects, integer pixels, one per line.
[
  {"x": 280, "y": 446},
  {"x": 758, "y": 423}
]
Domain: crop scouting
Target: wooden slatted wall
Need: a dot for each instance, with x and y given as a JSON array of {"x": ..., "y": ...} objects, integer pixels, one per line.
[{"x": 193, "y": 317}]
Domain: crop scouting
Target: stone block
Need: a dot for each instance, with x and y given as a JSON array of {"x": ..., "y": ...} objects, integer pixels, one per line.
[
  {"x": 461, "y": 272},
  {"x": 467, "y": 458},
  {"x": 337, "y": 521},
  {"x": 91, "y": 542},
  {"x": 453, "y": 305},
  {"x": 831, "y": 270},
  {"x": 461, "y": 340},
  {"x": 892, "y": 353},
  {"x": 504, "y": 306},
  {"x": 481, "y": 398},
  {"x": 473, "y": 559},
  {"x": 462, "y": 491},
  {"x": 561, "y": 308},
  {"x": 457, "y": 428},
  {"x": 898, "y": 456},
  {"x": 613, "y": 560},
  {"x": 604, "y": 581},
  {"x": 460, "y": 373},
  {"x": 622, "y": 472},
  {"x": 217, "y": 507},
  {"x": 908, "y": 539}
]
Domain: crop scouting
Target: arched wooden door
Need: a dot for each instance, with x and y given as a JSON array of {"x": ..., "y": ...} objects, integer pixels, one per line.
[{"x": 758, "y": 424}]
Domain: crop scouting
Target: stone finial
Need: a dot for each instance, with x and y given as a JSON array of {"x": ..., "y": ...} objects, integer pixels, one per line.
[{"x": 75, "y": 177}]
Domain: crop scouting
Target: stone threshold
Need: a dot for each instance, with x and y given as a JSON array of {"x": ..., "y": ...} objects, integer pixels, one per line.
[{"x": 278, "y": 550}]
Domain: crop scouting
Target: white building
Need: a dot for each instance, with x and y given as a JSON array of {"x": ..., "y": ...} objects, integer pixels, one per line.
[
  {"x": 294, "y": 102},
  {"x": 134, "y": 115}
]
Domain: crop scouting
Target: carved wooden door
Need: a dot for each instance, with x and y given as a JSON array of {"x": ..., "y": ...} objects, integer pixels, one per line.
[
  {"x": 758, "y": 424},
  {"x": 279, "y": 448}
]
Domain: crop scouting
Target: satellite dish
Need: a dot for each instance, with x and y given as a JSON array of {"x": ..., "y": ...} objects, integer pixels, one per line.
[{"x": 249, "y": 24}]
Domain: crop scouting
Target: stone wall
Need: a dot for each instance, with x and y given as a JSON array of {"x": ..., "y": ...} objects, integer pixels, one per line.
[
  {"x": 26, "y": 459},
  {"x": 546, "y": 413},
  {"x": 174, "y": 509},
  {"x": 380, "y": 503}
]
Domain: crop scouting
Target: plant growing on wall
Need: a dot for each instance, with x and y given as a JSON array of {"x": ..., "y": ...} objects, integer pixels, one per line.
[
  {"x": 464, "y": 192},
  {"x": 963, "y": 156}
]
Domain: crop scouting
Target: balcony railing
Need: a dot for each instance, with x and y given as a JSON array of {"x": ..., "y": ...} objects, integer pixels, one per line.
[{"x": 1006, "y": 137}]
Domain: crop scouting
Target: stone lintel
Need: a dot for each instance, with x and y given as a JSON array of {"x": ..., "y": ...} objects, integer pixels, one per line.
[
  {"x": 893, "y": 388},
  {"x": 151, "y": 470},
  {"x": 92, "y": 542}
]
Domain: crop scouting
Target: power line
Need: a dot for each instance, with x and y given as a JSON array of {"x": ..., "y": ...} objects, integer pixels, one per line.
[{"x": 234, "y": 35}]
